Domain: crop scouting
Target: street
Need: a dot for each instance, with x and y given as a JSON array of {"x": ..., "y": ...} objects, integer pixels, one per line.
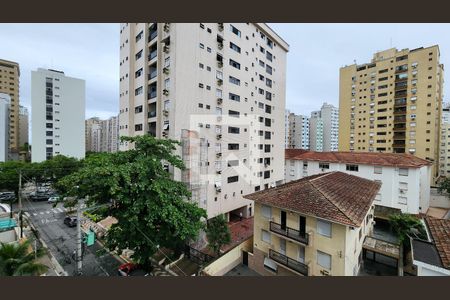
[{"x": 61, "y": 241}]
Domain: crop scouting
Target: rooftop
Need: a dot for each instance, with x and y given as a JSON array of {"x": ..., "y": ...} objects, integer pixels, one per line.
[
  {"x": 440, "y": 232},
  {"x": 367, "y": 158},
  {"x": 334, "y": 196}
]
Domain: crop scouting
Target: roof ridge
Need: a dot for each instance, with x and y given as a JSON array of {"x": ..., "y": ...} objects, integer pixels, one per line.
[
  {"x": 322, "y": 175},
  {"x": 328, "y": 199}
]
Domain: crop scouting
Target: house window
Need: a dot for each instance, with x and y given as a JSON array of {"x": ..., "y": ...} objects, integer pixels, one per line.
[
  {"x": 233, "y": 146},
  {"x": 324, "y": 165},
  {"x": 266, "y": 211},
  {"x": 235, "y": 47},
  {"x": 138, "y": 91},
  {"x": 234, "y": 130},
  {"x": 324, "y": 260},
  {"x": 235, "y": 64},
  {"x": 403, "y": 171},
  {"x": 324, "y": 228},
  {"x": 378, "y": 169},
  {"x": 139, "y": 54},
  {"x": 265, "y": 236},
  {"x": 138, "y": 127},
  {"x": 353, "y": 168},
  {"x": 402, "y": 200},
  {"x": 234, "y": 80}
]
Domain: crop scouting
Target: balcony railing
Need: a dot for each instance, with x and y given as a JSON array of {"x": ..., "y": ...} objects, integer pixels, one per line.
[
  {"x": 152, "y": 35},
  {"x": 152, "y": 95},
  {"x": 152, "y": 75},
  {"x": 292, "y": 264},
  {"x": 290, "y": 233},
  {"x": 152, "y": 114},
  {"x": 152, "y": 55}
]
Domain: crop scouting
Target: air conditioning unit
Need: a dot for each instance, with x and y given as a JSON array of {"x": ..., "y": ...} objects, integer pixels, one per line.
[
  {"x": 220, "y": 64},
  {"x": 220, "y": 26},
  {"x": 219, "y": 81},
  {"x": 166, "y": 112},
  {"x": 324, "y": 272},
  {"x": 219, "y": 171},
  {"x": 166, "y": 92},
  {"x": 219, "y": 136},
  {"x": 220, "y": 45},
  {"x": 166, "y": 70},
  {"x": 218, "y": 154},
  {"x": 166, "y": 48},
  {"x": 218, "y": 189},
  {"x": 219, "y": 101},
  {"x": 165, "y": 134}
]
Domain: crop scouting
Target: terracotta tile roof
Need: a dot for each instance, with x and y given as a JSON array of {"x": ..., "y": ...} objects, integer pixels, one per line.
[
  {"x": 440, "y": 232},
  {"x": 369, "y": 158},
  {"x": 334, "y": 196}
]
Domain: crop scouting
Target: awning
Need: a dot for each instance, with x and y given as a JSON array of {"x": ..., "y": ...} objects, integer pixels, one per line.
[{"x": 7, "y": 223}]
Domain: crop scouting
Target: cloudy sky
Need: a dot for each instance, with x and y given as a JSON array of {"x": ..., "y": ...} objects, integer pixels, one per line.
[{"x": 317, "y": 51}]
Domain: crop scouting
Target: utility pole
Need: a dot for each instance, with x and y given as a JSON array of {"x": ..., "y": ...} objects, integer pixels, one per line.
[{"x": 20, "y": 204}]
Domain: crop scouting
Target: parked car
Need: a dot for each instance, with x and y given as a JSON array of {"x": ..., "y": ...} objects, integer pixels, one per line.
[
  {"x": 7, "y": 196},
  {"x": 131, "y": 269},
  {"x": 53, "y": 199},
  {"x": 70, "y": 221}
]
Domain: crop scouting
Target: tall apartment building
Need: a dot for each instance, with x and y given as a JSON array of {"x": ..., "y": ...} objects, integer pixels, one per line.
[
  {"x": 444, "y": 158},
  {"x": 316, "y": 131},
  {"x": 219, "y": 88},
  {"x": 5, "y": 101},
  {"x": 102, "y": 135},
  {"x": 286, "y": 128},
  {"x": 57, "y": 111},
  {"x": 9, "y": 84},
  {"x": 298, "y": 132},
  {"x": 23, "y": 126},
  {"x": 382, "y": 104},
  {"x": 324, "y": 128}
]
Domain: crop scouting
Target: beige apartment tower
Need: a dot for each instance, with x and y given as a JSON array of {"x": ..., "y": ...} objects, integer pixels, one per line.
[
  {"x": 9, "y": 84},
  {"x": 393, "y": 104},
  {"x": 219, "y": 88}
]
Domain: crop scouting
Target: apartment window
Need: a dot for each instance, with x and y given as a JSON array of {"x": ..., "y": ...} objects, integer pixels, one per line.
[
  {"x": 268, "y": 82},
  {"x": 208, "y": 49},
  {"x": 268, "y": 95},
  {"x": 218, "y": 93},
  {"x": 324, "y": 260},
  {"x": 378, "y": 169},
  {"x": 167, "y": 83},
  {"x": 49, "y": 141},
  {"x": 265, "y": 236},
  {"x": 201, "y": 46},
  {"x": 200, "y": 65},
  {"x": 235, "y": 47},
  {"x": 269, "y": 56},
  {"x": 138, "y": 127},
  {"x": 266, "y": 174},
  {"x": 262, "y": 64},
  {"x": 232, "y": 179},
  {"x": 234, "y": 130},
  {"x": 233, "y": 146},
  {"x": 234, "y": 80},
  {"x": 234, "y": 97},
  {"x": 402, "y": 200},
  {"x": 138, "y": 91},
  {"x": 235, "y": 31},
  {"x": 403, "y": 171},
  {"x": 267, "y": 135},
  {"x": 138, "y": 73},
  {"x": 266, "y": 211},
  {"x": 324, "y": 228},
  {"x": 202, "y": 26},
  {"x": 266, "y": 148},
  {"x": 233, "y": 163},
  {"x": 268, "y": 122},
  {"x": 219, "y": 75},
  {"x": 49, "y": 133},
  {"x": 167, "y": 62},
  {"x": 138, "y": 109},
  {"x": 324, "y": 166},
  {"x": 269, "y": 69},
  {"x": 235, "y": 64},
  {"x": 49, "y": 125},
  {"x": 139, "y": 54},
  {"x": 353, "y": 168}
]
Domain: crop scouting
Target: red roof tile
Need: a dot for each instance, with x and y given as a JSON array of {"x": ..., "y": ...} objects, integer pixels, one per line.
[
  {"x": 334, "y": 196},
  {"x": 440, "y": 231},
  {"x": 369, "y": 158}
]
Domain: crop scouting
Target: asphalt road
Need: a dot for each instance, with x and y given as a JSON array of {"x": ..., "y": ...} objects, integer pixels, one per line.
[{"x": 61, "y": 241}]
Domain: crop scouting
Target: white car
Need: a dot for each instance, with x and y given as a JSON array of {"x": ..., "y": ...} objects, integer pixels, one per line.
[{"x": 53, "y": 199}]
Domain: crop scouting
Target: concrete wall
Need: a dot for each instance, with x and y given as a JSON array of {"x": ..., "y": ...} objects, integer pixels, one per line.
[
  {"x": 8, "y": 236},
  {"x": 229, "y": 260}
]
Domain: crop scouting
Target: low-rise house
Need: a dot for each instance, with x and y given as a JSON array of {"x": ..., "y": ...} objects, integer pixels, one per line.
[
  {"x": 432, "y": 257},
  {"x": 313, "y": 226},
  {"x": 405, "y": 178}
]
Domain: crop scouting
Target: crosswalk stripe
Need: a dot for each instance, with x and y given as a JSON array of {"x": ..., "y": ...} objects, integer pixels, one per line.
[
  {"x": 48, "y": 212},
  {"x": 34, "y": 214},
  {"x": 59, "y": 209},
  {"x": 54, "y": 210},
  {"x": 27, "y": 214},
  {"x": 41, "y": 212}
]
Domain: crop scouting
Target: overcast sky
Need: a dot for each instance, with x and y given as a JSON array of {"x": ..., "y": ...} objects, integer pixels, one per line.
[{"x": 317, "y": 51}]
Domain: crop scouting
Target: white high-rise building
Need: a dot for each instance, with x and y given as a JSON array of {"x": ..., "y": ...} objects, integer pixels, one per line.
[
  {"x": 5, "y": 102},
  {"x": 298, "y": 132},
  {"x": 219, "y": 88},
  {"x": 324, "y": 129},
  {"x": 286, "y": 128},
  {"x": 57, "y": 112},
  {"x": 102, "y": 135}
]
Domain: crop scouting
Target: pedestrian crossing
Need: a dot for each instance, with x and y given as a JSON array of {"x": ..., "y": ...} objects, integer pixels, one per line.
[{"x": 47, "y": 212}]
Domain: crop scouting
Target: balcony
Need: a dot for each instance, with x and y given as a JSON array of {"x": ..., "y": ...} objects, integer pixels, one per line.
[
  {"x": 152, "y": 114},
  {"x": 292, "y": 264},
  {"x": 290, "y": 233},
  {"x": 399, "y": 119},
  {"x": 152, "y": 55},
  {"x": 152, "y": 35},
  {"x": 152, "y": 75},
  {"x": 152, "y": 95}
]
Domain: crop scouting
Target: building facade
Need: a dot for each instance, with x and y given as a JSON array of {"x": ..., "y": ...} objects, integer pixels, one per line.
[
  {"x": 286, "y": 128},
  {"x": 102, "y": 135},
  {"x": 324, "y": 128},
  {"x": 23, "y": 126},
  {"x": 298, "y": 132},
  {"x": 219, "y": 88},
  {"x": 5, "y": 101},
  {"x": 57, "y": 111},
  {"x": 306, "y": 227},
  {"x": 9, "y": 84},
  {"x": 444, "y": 158},
  {"x": 405, "y": 178},
  {"x": 316, "y": 132},
  {"x": 382, "y": 104}
]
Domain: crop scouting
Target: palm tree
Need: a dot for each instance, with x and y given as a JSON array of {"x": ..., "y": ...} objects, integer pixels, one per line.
[{"x": 17, "y": 260}]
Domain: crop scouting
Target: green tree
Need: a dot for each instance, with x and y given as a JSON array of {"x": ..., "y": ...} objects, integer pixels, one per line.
[
  {"x": 152, "y": 209},
  {"x": 405, "y": 225},
  {"x": 16, "y": 259},
  {"x": 444, "y": 185},
  {"x": 218, "y": 233}
]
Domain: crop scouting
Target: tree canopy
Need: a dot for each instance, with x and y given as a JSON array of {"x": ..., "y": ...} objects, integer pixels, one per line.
[
  {"x": 152, "y": 209},
  {"x": 405, "y": 225},
  {"x": 218, "y": 233}
]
